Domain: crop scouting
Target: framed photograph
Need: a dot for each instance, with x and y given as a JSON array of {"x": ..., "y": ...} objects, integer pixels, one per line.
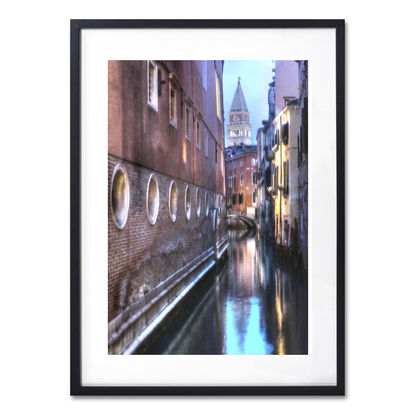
[{"x": 207, "y": 207}]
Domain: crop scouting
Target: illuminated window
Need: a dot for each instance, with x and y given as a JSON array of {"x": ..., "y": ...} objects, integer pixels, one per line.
[
  {"x": 187, "y": 203},
  {"x": 188, "y": 123},
  {"x": 173, "y": 201},
  {"x": 120, "y": 196},
  {"x": 173, "y": 106},
  {"x": 152, "y": 84},
  {"x": 218, "y": 107}
]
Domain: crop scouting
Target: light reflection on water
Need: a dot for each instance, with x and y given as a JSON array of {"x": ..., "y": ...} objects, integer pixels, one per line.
[{"x": 258, "y": 305}]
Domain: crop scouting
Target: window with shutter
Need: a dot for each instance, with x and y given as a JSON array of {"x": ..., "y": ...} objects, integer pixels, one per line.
[{"x": 284, "y": 133}]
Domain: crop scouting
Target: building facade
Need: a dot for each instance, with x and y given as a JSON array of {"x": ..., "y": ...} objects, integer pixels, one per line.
[
  {"x": 265, "y": 140},
  {"x": 166, "y": 187},
  {"x": 282, "y": 186},
  {"x": 239, "y": 127},
  {"x": 290, "y": 181},
  {"x": 241, "y": 168},
  {"x": 285, "y": 180},
  {"x": 303, "y": 161}
]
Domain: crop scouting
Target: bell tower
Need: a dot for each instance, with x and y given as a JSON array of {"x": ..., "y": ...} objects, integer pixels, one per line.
[{"x": 239, "y": 127}]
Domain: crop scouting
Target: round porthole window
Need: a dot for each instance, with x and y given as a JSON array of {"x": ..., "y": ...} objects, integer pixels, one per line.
[
  {"x": 173, "y": 201},
  {"x": 207, "y": 202},
  {"x": 152, "y": 199},
  {"x": 198, "y": 202},
  {"x": 120, "y": 196},
  {"x": 187, "y": 203}
]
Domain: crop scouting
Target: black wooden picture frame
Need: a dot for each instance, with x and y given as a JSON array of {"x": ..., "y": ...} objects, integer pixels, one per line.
[{"x": 76, "y": 28}]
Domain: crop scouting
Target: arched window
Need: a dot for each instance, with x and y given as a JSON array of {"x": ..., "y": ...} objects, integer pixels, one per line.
[
  {"x": 173, "y": 201},
  {"x": 152, "y": 199},
  {"x": 120, "y": 196}
]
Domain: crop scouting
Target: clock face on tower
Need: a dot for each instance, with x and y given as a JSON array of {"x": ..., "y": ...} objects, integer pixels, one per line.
[{"x": 235, "y": 118}]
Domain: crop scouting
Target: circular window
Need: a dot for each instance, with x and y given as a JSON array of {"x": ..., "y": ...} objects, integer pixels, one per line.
[
  {"x": 173, "y": 201},
  {"x": 198, "y": 202},
  {"x": 152, "y": 199},
  {"x": 207, "y": 202},
  {"x": 187, "y": 203},
  {"x": 120, "y": 196}
]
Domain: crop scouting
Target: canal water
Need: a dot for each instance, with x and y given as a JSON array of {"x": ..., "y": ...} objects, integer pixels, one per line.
[{"x": 256, "y": 305}]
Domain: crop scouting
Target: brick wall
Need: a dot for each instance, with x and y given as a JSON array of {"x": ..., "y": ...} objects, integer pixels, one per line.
[{"x": 141, "y": 255}]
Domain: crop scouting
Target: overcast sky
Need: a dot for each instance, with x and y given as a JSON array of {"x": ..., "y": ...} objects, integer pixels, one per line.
[{"x": 255, "y": 77}]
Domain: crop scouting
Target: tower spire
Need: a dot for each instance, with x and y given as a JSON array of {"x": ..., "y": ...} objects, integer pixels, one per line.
[{"x": 239, "y": 127}]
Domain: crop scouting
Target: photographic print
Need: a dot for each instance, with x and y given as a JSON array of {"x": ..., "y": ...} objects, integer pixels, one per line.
[{"x": 208, "y": 207}]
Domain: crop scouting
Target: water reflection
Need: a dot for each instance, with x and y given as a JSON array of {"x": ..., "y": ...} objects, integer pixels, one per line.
[{"x": 258, "y": 305}]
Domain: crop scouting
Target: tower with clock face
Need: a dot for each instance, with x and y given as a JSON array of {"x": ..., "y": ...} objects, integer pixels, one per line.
[{"x": 239, "y": 127}]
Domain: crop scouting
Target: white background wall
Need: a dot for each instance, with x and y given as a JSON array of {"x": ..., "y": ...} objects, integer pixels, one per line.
[{"x": 34, "y": 306}]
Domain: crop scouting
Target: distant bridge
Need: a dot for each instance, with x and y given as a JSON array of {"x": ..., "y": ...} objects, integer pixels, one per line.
[{"x": 249, "y": 222}]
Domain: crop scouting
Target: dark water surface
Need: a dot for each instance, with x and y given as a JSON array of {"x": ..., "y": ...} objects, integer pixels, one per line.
[{"x": 257, "y": 305}]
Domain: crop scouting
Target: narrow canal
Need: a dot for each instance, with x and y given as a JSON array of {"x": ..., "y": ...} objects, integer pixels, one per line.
[{"x": 256, "y": 305}]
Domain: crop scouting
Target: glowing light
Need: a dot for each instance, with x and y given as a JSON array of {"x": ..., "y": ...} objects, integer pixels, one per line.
[{"x": 184, "y": 152}]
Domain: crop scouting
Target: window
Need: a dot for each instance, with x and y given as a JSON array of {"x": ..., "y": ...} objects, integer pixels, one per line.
[
  {"x": 152, "y": 84},
  {"x": 173, "y": 201},
  {"x": 253, "y": 161},
  {"x": 241, "y": 180},
  {"x": 204, "y": 74},
  {"x": 188, "y": 122},
  {"x": 286, "y": 230},
  {"x": 173, "y": 106},
  {"x": 187, "y": 203},
  {"x": 277, "y": 138},
  {"x": 207, "y": 144},
  {"x": 285, "y": 169},
  {"x": 152, "y": 199},
  {"x": 284, "y": 133},
  {"x": 253, "y": 177},
  {"x": 218, "y": 107},
  {"x": 275, "y": 181},
  {"x": 253, "y": 197},
  {"x": 120, "y": 196},
  {"x": 241, "y": 198},
  {"x": 241, "y": 163},
  {"x": 234, "y": 199},
  {"x": 198, "y": 135}
]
